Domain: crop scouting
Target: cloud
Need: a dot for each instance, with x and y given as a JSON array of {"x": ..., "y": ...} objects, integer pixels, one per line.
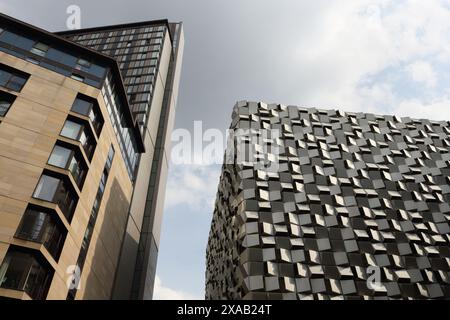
[
  {"x": 438, "y": 109},
  {"x": 422, "y": 72},
  {"x": 194, "y": 186},
  {"x": 161, "y": 292},
  {"x": 356, "y": 58}
]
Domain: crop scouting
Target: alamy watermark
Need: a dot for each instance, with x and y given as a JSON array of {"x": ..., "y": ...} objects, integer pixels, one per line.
[
  {"x": 73, "y": 278},
  {"x": 259, "y": 148},
  {"x": 73, "y": 21}
]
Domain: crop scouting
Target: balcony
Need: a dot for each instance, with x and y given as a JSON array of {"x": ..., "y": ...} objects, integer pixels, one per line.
[
  {"x": 42, "y": 226},
  {"x": 88, "y": 107},
  {"x": 23, "y": 271},
  {"x": 79, "y": 130},
  {"x": 66, "y": 157},
  {"x": 55, "y": 189}
]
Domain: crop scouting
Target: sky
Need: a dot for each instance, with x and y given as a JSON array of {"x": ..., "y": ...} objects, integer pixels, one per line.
[{"x": 384, "y": 56}]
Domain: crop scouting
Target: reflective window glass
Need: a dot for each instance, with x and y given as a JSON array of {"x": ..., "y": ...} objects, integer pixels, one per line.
[
  {"x": 97, "y": 71},
  {"x": 77, "y": 77},
  {"x": 82, "y": 106},
  {"x": 4, "y": 77},
  {"x": 17, "y": 41},
  {"x": 40, "y": 49},
  {"x": 16, "y": 83},
  {"x": 71, "y": 130},
  {"x": 11, "y": 78},
  {"x": 6, "y": 101},
  {"x": 60, "y": 156},
  {"x": 61, "y": 57},
  {"x": 46, "y": 188}
]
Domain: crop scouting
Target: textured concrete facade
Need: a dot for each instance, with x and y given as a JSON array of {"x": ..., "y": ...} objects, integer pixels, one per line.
[{"x": 356, "y": 207}]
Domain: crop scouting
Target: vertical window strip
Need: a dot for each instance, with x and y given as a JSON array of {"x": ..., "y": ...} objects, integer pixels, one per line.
[{"x": 91, "y": 224}]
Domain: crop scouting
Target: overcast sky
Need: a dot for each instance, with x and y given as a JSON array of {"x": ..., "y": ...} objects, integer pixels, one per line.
[{"x": 385, "y": 56}]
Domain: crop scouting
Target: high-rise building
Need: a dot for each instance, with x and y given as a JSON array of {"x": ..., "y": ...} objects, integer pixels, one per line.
[
  {"x": 149, "y": 56},
  {"x": 82, "y": 170},
  {"x": 344, "y": 206}
]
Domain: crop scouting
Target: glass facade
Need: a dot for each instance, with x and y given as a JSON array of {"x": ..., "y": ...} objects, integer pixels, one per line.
[
  {"x": 137, "y": 51},
  {"x": 62, "y": 62},
  {"x": 125, "y": 136}
]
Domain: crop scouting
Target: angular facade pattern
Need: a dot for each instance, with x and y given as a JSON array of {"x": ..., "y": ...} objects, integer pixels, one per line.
[{"x": 356, "y": 208}]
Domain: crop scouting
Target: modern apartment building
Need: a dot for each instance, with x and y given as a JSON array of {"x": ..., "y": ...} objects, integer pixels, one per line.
[
  {"x": 345, "y": 206},
  {"x": 81, "y": 172},
  {"x": 149, "y": 56}
]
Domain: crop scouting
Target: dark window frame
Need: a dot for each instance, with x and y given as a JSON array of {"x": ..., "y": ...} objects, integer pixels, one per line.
[
  {"x": 94, "y": 114},
  {"x": 36, "y": 269},
  {"x": 6, "y": 97},
  {"x": 52, "y": 234},
  {"x": 76, "y": 156},
  {"x": 14, "y": 74},
  {"x": 64, "y": 192},
  {"x": 89, "y": 148},
  {"x": 42, "y": 52},
  {"x": 94, "y": 75}
]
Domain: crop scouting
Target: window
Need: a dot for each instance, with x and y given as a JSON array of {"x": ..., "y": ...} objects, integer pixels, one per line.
[
  {"x": 87, "y": 106},
  {"x": 83, "y": 63},
  {"x": 11, "y": 78},
  {"x": 78, "y": 170},
  {"x": 6, "y": 100},
  {"x": 16, "y": 40},
  {"x": 82, "y": 106},
  {"x": 80, "y": 132},
  {"x": 110, "y": 158},
  {"x": 87, "y": 66},
  {"x": 97, "y": 71},
  {"x": 22, "y": 270},
  {"x": 32, "y": 60},
  {"x": 77, "y": 77},
  {"x": 40, "y": 49},
  {"x": 41, "y": 225},
  {"x": 57, "y": 190},
  {"x": 133, "y": 97},
  {"x": 66, "y": 158},
  {"x": 60, "y": 157},
  {"x": 71, "y": 130},
  {"x": 46, "y": 188},
  {"x": 61, "y": 57}
]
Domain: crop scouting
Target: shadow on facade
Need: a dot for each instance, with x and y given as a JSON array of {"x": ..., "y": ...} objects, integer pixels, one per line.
[{"x": 111, "y": 231}]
